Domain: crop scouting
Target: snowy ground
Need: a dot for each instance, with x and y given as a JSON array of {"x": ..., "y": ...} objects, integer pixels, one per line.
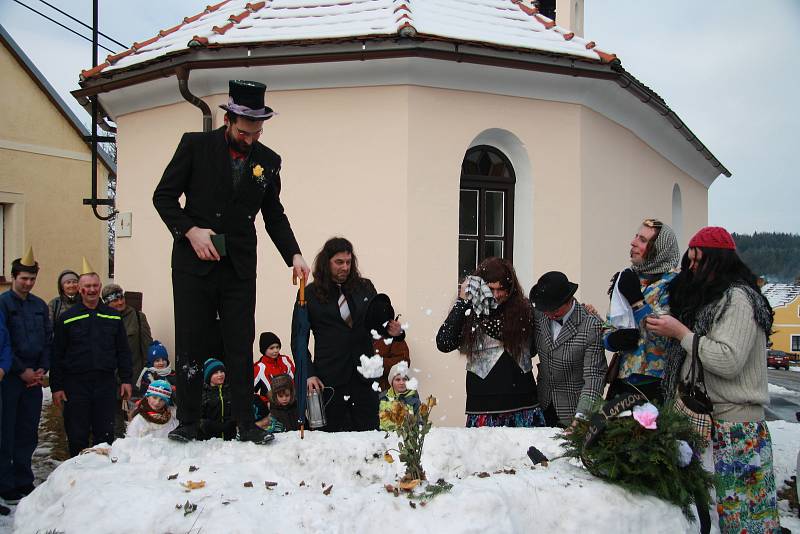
[{"x": 335, "y": 483}]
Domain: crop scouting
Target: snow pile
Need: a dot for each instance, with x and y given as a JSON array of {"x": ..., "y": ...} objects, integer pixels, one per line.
[
  {"x": 782, "y": 391},
  {"x": 335, "y": 483}
]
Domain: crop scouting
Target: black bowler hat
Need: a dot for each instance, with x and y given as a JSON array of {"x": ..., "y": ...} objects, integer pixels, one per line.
[
  {"x": 552, "y": 291},
  {"x": 246, "y": 99},
  {"x": 379, "y": 310}
]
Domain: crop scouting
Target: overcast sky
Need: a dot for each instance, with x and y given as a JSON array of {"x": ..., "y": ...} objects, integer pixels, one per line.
[{"x": 730, "y": 73}]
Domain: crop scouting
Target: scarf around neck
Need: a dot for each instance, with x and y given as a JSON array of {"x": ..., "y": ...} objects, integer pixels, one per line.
[{"x": 159, "y": 417}]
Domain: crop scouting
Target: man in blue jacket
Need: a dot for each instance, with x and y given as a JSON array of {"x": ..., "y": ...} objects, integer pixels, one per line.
[
  {"x": 89, "y": 351},
  {"x": 28, "y": 322},
  {"x": 5, "y": 365}
]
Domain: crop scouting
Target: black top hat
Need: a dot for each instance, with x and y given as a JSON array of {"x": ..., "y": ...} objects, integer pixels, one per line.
[
  {"x": 246, "y": 99},
  {"x": 552, "y": 291},
  {"x": 379, "y": 310}
]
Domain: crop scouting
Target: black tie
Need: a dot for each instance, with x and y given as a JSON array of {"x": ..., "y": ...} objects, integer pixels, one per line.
[{"x": 559, "y": 321}]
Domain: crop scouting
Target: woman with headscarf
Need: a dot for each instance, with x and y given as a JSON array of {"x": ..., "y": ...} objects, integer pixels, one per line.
[
  {"x": 67, "y": 295},
  {"x": 491, "y": 323},
  {"x": 637, "y": 292},
  {"x": 717, "y": 300}
]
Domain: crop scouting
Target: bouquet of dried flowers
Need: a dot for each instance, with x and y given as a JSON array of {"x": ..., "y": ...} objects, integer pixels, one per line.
[{"x": 411, "y": 428}]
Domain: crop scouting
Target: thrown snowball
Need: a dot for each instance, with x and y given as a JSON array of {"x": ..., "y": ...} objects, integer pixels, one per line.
[{"x": 371, "y": 367}]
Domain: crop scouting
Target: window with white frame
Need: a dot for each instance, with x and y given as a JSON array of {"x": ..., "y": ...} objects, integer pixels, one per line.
[
  {"x": 485, "y": 209},
  {"x": 795, "y": 343}
]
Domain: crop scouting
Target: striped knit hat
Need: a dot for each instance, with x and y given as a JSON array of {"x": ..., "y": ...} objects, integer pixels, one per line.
[
  {"x": 161, "y": 389},
  {"x": 211, "y": 366}
]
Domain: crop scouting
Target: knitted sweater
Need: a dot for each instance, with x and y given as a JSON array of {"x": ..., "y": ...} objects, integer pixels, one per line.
[{"x": 734, "y": 361}]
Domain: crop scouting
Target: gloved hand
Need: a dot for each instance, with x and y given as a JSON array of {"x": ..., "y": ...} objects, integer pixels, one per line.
[
  {"x": 630, "y": 286},
  {"x": 275, "y": 426},
  {"x": 622, "y": 340}
]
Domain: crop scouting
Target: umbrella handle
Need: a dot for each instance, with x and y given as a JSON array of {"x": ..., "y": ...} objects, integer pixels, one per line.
[{"x": 302, "y": 297}]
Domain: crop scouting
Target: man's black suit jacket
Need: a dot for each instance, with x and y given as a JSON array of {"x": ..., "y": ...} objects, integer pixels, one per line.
[
  {"x": 201, "y": 170},
  {"x": 337, "y": 347}
]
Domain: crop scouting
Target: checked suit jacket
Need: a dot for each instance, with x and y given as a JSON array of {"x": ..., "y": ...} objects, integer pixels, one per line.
[{"x": 572, "y": 366}]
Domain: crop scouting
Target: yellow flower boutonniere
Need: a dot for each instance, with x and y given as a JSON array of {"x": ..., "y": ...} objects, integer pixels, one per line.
[{"x": 258, "y": 174}]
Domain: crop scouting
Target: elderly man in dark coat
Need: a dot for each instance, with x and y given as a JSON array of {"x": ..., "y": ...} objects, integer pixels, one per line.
[{"x": 227, "y": 177}]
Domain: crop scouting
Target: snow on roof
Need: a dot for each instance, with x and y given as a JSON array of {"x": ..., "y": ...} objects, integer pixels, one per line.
[
  {"x": 504, "y": 23},
  {"x": 780, "y": 294}
]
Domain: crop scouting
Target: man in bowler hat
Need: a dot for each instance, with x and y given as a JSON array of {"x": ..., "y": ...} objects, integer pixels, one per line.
[
  {"x": 569, "y": 341},
  {"x": 227, "y": 177}
]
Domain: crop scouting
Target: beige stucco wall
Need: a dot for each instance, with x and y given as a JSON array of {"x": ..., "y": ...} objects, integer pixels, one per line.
[
  {"x": 45, "y": 172},
  {"x": 381, "y": 166},
  {"x": 624, "y": 182}
]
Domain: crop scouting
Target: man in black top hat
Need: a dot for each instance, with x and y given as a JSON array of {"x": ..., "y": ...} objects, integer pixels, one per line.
[
  {"x": 569, "y": 341},
  {"x": 227, "y": 177}
]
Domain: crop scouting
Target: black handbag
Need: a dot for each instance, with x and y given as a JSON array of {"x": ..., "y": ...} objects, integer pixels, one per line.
[{"x": 692, "y": 399}]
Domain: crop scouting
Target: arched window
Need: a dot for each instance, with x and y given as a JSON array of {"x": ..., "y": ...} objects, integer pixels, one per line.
[{"x": 486, "y": 208}]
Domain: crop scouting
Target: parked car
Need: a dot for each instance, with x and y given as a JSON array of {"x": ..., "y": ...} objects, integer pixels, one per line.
[{"x": 778, "y": 359}]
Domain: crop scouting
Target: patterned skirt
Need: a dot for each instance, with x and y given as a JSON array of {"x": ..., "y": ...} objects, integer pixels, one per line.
[
  {"x": 744, "y": 479},
  {"x": 526, "y": 417}
]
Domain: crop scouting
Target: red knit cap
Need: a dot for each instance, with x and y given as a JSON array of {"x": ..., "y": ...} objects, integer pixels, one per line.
[{"x": 712, "y": 237}]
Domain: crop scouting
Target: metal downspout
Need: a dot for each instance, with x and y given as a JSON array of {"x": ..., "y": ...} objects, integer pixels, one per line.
[
  {"x": 94, "y": 202},
  {"x": 183, "y": 84}
]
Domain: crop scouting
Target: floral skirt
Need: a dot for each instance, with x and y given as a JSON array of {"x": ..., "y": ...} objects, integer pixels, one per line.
[
  {"x": 744, "y": 479},
  {"x": 518, "y": 418}
]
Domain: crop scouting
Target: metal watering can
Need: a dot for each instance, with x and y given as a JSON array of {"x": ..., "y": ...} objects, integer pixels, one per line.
[{"x": 315, "y": 408}]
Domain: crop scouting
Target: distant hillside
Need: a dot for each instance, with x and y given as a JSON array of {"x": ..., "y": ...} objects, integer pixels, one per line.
[{"x": 775, "y": 256}]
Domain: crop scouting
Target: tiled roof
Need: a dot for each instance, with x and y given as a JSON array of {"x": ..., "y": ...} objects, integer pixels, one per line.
[
  {"x": 780, "y": 294},
  {"x": 503, "y": 23}
]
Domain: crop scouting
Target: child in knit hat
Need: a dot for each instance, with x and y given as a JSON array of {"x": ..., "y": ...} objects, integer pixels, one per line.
[
  {"x": 154, "y": 416},
  {"x": 398, "y": 392},
  {"x": 282, "y": 406},
  {"x": 271, "y": 364},
  {"x": 158, "y": 368},
  {"x": 216, "y": 420}
]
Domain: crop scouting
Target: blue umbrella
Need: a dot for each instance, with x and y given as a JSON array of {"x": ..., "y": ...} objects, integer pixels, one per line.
[{"x": 301, "y": 330}]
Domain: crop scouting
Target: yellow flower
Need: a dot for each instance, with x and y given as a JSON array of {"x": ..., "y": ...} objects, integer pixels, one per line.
[{"x": 258, "y": 170}]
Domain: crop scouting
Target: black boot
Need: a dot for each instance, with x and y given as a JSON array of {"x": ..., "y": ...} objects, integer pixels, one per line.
[
  {"x": 185, "y": 432},
  {"x": 254, "y": 434}
]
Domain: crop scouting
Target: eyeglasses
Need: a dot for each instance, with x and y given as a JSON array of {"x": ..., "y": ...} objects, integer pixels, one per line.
[
  {"x": 242, "y": 134},
  {"x": 652, "y": 223}
]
